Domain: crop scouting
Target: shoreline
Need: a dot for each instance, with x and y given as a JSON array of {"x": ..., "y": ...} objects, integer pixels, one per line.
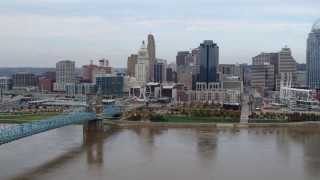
[{"x": 307, "y": 124}]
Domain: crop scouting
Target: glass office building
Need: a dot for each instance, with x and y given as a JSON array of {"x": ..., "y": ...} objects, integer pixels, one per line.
[
  {"x": 158, "y": 75},
  {"x": 110, "y": 85},
  {"x": 209, "y": 61},
  {"x": 313, "y": 56}
]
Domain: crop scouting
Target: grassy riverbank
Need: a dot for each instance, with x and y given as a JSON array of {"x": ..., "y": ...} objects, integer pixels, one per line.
[
  {"x": 26, "y": 117},
  {"x": 188, "y": 119}
]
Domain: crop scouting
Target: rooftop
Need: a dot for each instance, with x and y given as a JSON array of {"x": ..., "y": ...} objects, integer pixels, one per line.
[{"x": 316, "y": 25}]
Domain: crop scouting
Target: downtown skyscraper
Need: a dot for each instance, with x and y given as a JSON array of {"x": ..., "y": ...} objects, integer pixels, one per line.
[
  {"x": 313, "y": 56},
  {"x": 209, "y": 62},
  {"x": 152, "y": 55}
]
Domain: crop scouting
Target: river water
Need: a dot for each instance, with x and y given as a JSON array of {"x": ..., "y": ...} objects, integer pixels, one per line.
[{"x": 165, "y": 154}]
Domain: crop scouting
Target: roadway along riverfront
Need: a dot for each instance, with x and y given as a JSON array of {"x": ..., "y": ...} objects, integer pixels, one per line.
[{"x": 244, "y": 109}]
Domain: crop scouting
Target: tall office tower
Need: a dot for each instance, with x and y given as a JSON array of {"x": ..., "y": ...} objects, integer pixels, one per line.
[
  {"x": 181, "y": 58},
  {"x": 229, "y": 70},
  {"x": 65, "y": 73},
  {"x": 190, "y": 60},
  {"x": 262, "y": 76},
  {"x": 169, "y": 74},
  {"x": 281, "y": 61},
  {"x": 286, "y": 64},
  {"x": 160, "y": 71},
  {"x": 267, "y": 59},
  {"x": 196, "y": 53},
  {"x": 209, "y": 61},
  {"x": 152, "y": 54},
  {"x": 313, "y": 56},
  {"x": 142, "y": 72},
  {"x": 131, "y": 63}
]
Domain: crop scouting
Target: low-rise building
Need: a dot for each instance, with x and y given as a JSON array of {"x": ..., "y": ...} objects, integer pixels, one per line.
[
  {"x": 213, "y": 95},
  {"x": 45, "y": 85},
  {"x": 169, "y": 91},
  {"x": 79, "y": 88},
  {"x": 22, "y": 81},
  {"x": 110, "y": 84},
  {"x": 233, "y": 95}
]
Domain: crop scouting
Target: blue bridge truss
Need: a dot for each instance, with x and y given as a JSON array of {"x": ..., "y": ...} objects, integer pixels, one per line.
[{"x": 19, "y": 131}]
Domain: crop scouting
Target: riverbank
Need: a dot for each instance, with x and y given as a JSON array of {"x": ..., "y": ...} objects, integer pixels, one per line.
[
  {"x": 26, "y": 117},
  {"x": 192, "y": 119},
  {"x": 308, "y": 124},
  {"x": 179, "y": 122}
]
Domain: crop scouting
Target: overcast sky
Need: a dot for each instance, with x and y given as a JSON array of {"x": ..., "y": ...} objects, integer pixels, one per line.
[{"x": 41, "y": 32}]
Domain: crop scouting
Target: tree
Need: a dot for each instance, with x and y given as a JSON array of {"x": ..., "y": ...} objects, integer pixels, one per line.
[
  {"x": 193, "y": 112},
  {"x": 135, "y": 117},
  {"x": 183, "y": 111},
  {"x": 198, "y": 104},
  {"x": 205, "y": 104},
  {"x": 191, "y": 104},
  {"x": 184, "y": 104},
  {"x": 187, "y": 111},
  {"x": 208, "y": 112},
  {"x": 197, "y": 113}
]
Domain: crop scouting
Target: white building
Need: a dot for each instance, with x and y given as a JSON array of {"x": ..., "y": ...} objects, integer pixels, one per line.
[
  {"x": 79, "y": 88},
  {"x": 221, "y": 95},
  {"x": 212, "y": 95},
  {"x": 65, "y": 73},
  {"x": 142, "y": 67},
  {"x": 233, "y": 95}
]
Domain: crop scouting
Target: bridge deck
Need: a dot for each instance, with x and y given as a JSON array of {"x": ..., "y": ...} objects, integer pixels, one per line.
[{"x": 27, "y": 129}]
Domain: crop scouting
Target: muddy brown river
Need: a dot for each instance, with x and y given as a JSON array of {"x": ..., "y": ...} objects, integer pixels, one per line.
[{"x": 165, "y": 154}]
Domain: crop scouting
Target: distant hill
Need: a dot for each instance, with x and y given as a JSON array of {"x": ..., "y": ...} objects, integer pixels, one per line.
[
  {"x": 35, "y": 70},
  {"x": 8, "y": 71},
  {"x": 121, "y": 70}
]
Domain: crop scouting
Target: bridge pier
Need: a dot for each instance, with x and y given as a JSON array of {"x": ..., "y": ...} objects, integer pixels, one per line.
[
  {"x": 94, "y": 125},
  {"x": 93, "y": 140},
  {"x": 94, "y": 102}
]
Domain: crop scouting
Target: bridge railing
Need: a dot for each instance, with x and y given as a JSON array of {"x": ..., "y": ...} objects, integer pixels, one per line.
[{"x": 27, "y": 129}]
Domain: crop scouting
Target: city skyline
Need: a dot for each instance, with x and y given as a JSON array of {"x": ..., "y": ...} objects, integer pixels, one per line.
[{"x": 41, "y": 33}]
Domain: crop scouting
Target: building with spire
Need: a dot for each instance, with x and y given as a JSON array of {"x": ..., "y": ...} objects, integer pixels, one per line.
[
  {"x": 313, "y": 56},
  {"x": 142, "y": 67}
]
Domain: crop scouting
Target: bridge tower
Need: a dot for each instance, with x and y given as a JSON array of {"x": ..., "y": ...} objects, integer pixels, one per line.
[{"x": 94, "y": 102}]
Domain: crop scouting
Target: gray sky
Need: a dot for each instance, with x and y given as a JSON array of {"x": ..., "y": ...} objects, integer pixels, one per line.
[{"x": 41, "y": 32}]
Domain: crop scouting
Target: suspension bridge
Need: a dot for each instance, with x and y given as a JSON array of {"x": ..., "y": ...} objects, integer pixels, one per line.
[{"x": 90, "y": 115}]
